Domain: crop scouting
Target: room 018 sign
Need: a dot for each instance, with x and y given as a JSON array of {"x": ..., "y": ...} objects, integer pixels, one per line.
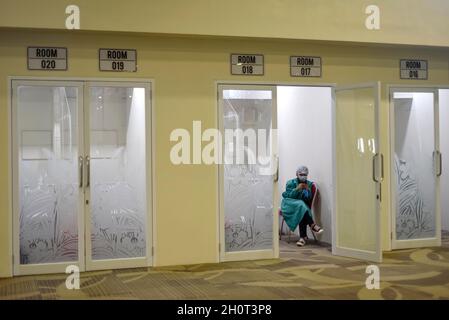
[{"x": 247, "y": 64}]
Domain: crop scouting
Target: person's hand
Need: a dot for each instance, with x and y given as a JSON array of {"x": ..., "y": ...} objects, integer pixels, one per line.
[{"x": 302, "y": 186}]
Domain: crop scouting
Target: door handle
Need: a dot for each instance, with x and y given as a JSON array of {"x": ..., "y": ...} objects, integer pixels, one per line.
[
  {"x": 87, "y": 172},
  {"x": 276, "y": 175},
  {"x": 374, "y": 168},
  {"x": 81, "y": 173},
  {"x": 381, "y": 167},
  {"x": 375, "y": 179},
  {"x": 437, "y": 162}
]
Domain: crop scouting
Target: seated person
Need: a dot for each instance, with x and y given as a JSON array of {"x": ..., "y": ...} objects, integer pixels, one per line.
[{"x": 296, "y": 203}]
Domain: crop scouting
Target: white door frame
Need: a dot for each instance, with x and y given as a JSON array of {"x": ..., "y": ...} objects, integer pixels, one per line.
[
  {"x": 351, "y": 252},
  {"x": 423, "y": 242},
  {"x": 221, "y": 257},
  {"x": 82, "y": 84}
]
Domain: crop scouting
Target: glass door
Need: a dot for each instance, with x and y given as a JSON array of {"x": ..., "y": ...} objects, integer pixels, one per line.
[
  {"x": 248, "y": 173},
  {"x": 47, "y": 176},
  {"x": 358, "y": 173},
  {"x": 416, "y": 163},
  {"x": 116, "y": 162},
  {"x": 81, "y": 155}
]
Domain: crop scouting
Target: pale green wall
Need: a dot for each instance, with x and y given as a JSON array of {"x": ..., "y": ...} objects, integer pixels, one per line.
[
  {"x": 185, "y": 71},
  {"x": 417, "y": 22}
]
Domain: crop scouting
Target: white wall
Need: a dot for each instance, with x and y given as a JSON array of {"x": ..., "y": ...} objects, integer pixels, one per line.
[
  {"x": 444, "y": 147},
  {"x": 305, "y": 138}
]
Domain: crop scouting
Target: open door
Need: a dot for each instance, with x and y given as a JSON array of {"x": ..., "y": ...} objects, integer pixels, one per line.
[
  {"x": 358, "y": 173},
  {"x": 248, "y": 175},
  {"x": 416, "y": 162}
]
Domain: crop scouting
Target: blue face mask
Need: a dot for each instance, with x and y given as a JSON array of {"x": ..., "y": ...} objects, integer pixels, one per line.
[{"x": 302, "y": 179}]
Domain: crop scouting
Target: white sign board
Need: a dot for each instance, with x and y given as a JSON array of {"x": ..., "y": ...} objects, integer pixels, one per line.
[
  {"x": 414, "y": 69},
  {"x": 118, "y": 60},
  {"x": 305, "y": 66},
  {"x": 47, "y": 58},
  {"x": 247, "y": 64}
]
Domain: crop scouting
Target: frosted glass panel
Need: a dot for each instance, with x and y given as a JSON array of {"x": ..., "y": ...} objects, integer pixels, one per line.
[
  {"x": 118, "y": 175},
  {"x": 413, "y": 165},
  {"x": 47, "y": 131},
  {"x": 356, "y": 190},
  {"x": 248, "y": 190}
]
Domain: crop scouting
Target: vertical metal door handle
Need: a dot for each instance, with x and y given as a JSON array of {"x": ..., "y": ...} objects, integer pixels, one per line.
[
  {"x": 437, "y": 162},
  {"x": 81, "y": 173},
  {"x": 374, "y": 168},
  {"x": 88, "y": 171},
  {"x": 276, "y": 175},
  {"x": 435, "y": 168},
  {"x": 381, "y": 167}
]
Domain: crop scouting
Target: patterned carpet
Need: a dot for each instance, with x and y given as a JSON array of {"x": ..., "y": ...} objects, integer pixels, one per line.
[{"x": 311, "y": 272}]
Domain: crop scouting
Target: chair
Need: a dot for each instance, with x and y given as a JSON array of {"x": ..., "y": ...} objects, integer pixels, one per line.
[{"x": 315, "y": 193}]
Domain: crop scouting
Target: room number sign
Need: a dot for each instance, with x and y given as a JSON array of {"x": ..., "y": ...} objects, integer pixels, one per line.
[
  {"x": 414, "y": 69},
  {"x": 305, "y": 66},
  {"x": 247, "y": 64},
  {"x": 47, "y": 58},
  {"x": 118, "y": 60}
]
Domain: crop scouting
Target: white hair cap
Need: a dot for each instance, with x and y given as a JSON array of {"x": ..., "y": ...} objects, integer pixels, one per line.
[{"x": 303, "y": 170}]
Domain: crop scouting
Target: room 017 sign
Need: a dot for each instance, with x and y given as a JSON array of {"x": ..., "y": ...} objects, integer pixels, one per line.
[{"x": 305, "y": 66}]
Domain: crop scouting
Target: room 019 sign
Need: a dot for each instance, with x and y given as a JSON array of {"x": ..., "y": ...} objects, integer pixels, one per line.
[{"x": 118, "y": 60}]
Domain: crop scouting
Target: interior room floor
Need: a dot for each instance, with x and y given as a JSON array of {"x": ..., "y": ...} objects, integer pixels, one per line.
[{"x": 311, "y": 272}]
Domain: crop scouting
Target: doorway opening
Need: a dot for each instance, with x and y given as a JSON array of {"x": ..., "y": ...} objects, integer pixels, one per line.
[{"x": 305, "y": 138}]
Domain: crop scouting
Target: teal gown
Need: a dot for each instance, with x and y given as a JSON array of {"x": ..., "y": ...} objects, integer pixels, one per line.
[{"x": 295, "y": 204}]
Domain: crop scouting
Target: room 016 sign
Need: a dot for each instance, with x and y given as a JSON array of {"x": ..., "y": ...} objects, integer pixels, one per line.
[{"x": 414, "y": 69}]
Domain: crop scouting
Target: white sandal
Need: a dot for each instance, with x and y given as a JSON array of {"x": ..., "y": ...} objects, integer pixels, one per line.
[
  {"x": 301, "y": 242},
  {"x": 316, "y": 229}
]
